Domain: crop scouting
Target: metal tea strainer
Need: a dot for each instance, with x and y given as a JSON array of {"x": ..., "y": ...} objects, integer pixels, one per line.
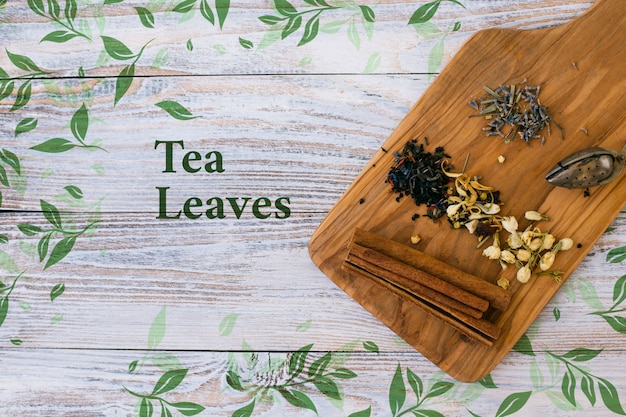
[{"x": 587, "y": 168}]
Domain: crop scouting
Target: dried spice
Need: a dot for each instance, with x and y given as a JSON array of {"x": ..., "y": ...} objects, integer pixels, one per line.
[
  {"x": 512, "y": 110},
  {"x": 419, "y": 174}
]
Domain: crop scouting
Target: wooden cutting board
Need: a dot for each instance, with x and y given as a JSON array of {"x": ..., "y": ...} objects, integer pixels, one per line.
[{"x": 581, "y": 69}]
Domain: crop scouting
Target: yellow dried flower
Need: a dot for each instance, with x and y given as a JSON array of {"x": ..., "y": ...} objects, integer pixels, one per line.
[
  {"x": 503, "y": 282},
  {"x": 546, "y": 261},
  {"x": 535, "y": 216},
  {"x": 524, "y": 255}
]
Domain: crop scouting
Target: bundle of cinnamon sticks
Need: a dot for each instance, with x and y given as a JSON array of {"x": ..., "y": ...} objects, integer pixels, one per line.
[{"x": 457, "y": 298}]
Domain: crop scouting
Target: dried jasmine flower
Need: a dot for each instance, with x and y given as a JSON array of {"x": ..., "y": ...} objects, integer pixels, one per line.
[
  {"x": 523, "y": 274},
  {"x": 509, "y": 223},
  {"x": 415, "y": 239},
  {"x": 547, "y": 260},
  {"x": 536, "y": 216}
]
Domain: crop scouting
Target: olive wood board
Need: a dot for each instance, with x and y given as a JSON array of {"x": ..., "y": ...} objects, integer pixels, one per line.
[{"x": 580, "y": 69}]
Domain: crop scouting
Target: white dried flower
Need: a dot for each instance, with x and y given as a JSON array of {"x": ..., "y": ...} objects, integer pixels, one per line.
[
  {"x": 515, "y": 241},
  {"x": 507, "y": 256},
  {"x": 415, "y": 239},
  {"x": 503, "y": 282},
  {"x": 492, "y": 252},
  {"x": 491, "y": 208},
  {"x": 548, "y": 241},
  {"x": 501, "y": 159},
  {"x": 471, "y": 225},
  {"x": 565, "y": 244},
  {"x": 535, "y": 244},
  {"x": 453, "y": 209},
  {"x": 523, "y": 274},
  {"x": 527, "y": 236},
  {"x": 510, "y": 224},
  {"x": 535, "y": 215},
  {"x": 546, "y": 261},
  {"x": 523, "y": 255}
]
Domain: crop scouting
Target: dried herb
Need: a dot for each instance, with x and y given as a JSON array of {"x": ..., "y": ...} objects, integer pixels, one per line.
[
  {"x": 512, "y": 110},
  {"x": 419, "y": 174}
]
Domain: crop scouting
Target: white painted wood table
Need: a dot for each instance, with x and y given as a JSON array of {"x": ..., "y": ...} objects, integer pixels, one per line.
[{"x": 135, "y": 281}]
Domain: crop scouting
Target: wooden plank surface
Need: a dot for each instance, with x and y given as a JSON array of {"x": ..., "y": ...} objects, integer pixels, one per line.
[{"x": 232, "y": 299}]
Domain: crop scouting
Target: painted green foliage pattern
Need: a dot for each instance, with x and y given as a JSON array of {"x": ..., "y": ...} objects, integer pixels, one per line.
[{"x": 304, "y": 378}]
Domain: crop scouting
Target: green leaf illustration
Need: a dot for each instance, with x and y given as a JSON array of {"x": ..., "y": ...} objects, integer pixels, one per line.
[
  {"x": 582, "y": 354},
  {"x": 228, "y": 324},
  {"x": 363, "y": 413},
  {"x": 145, "y": 16},
  {"x": 23, "y": 95},
  {"x": 343, "y": 373},
  {"x": 56, "y": 291},
  {"x": 25, "y": 125},
  {"x": 587, "y": 387},
  {"x": 568, "y": 386},
  {"x": 207, "y": 12},
  {"x": 74, "y": 191},
  {"x": 4, "y": 309},
  {"x": 368, "y": 13},
  {"x": 233, "y": 381},
  {"x": 16, "y": 342},
  {"x": 370, "y": 346},
  {"x": 80, "y": 123},
  {"x": 397, "y": 392},
  {"x": 4, "y": 179},
  {"x": 424, "y": 13},
  {"x": 439, "y": 388},
  {"x": 176, "y": 110},
  {"x": 328, "y": 387},
  {"x": 616, "y": 255},
  {"x": 556, "y": 313},
  {"x": 37, "y": 7},
  {"x": 132, "y": 366},
  {"x": 6, "y": 88},
  {"x": 271, "y": 20},
  {"x": 488, "y": 382},
  {"x": 318, "y": 367},
  {"x": 245, "y": 411},
  {"x": 298, "y": 399},
  {"x": 188, "y": 408},
  {"x": 373, "y": 63},
  {"x": 311, "y": 30},
  {"x": 293, "y": 24},
  {"x": 616, "y": 322},
  {"x": 513, "y": 403},
  {"x": 619, "y": 290},
  {"x": 56, "y": 145},
  {"x": 298, "y": 360},
  {"x": 610, "y": 398},
  {"x": 435, "y": 57},
  {"x": 42, "y": 247},
  {"x": 157, "y": 329},
  {"x": 59, "y": 36},
  {"x": 123, "y": 82},
  {"x": 51, "y": 213},
  {"x": 284, "y": 7},
  {"x": 60, "y": 250},
  {"x": 169, "y": 381},
  {"x": 11, "y": 159},
  {"x": 146, "y": 408},
  {"x": 23, "y": 62},
  {"x": 415, "y": 382},
  {"x": 222, "y": 7},
  {"x": 116, "y": 49},
  {"x": 184, "y": 6},
  {"x": 246, "y": 44},
  {"x": 71, "y": 8},
  {"x": 524, "y": 346},
  {"x": 4, "y": 239}
]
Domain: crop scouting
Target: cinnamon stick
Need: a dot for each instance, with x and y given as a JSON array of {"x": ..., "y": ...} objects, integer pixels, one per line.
[
  {"x": 479, "y": 330},
  {"x": 415, "y": 281},
  {"x": 497, "y": 297}
]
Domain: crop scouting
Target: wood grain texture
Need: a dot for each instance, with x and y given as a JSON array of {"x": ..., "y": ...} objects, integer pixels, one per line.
[
  {"x": 296, "y": 121},
  {"x": 504, "y": 57}
]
